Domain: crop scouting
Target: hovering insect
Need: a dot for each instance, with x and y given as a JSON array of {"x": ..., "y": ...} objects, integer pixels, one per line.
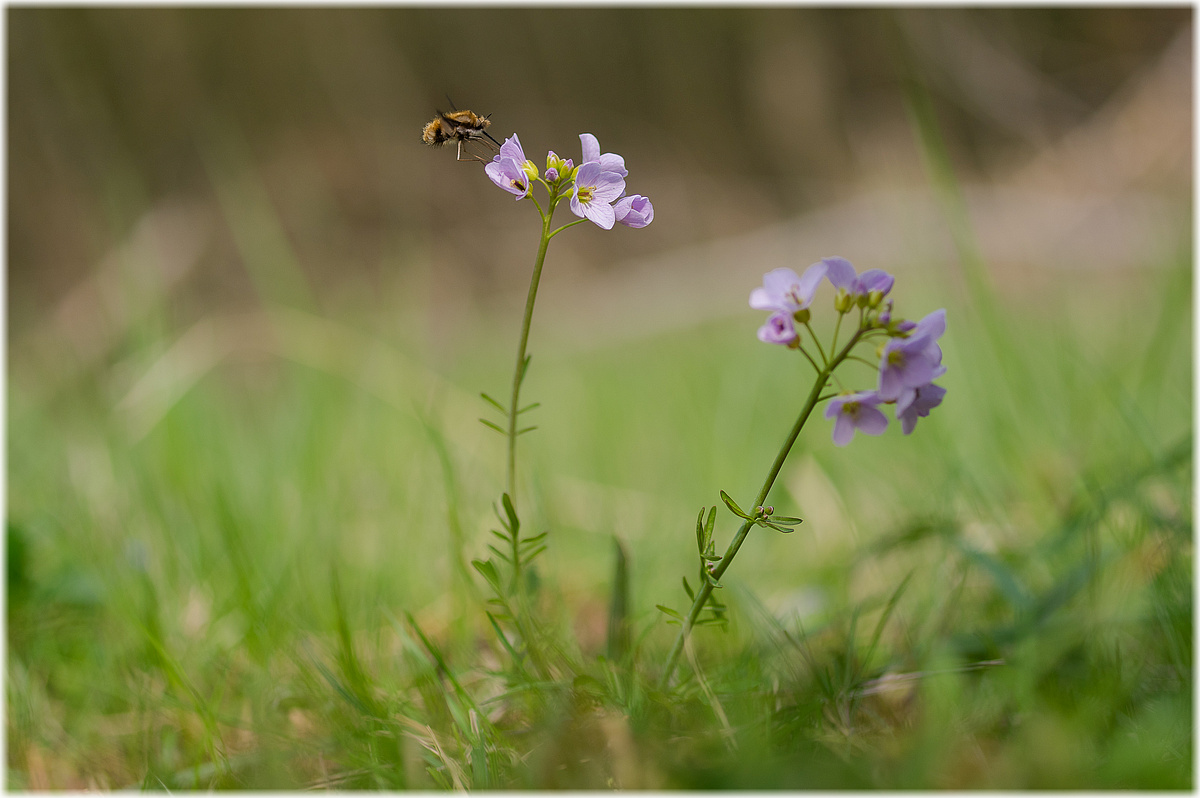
[{"x": 465, "y": 127}]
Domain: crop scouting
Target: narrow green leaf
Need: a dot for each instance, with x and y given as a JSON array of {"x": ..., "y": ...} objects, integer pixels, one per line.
[
  {"x": 529, "y": 556},
  {"x": 688, "y": 588},
  {"x": 534, "y": 539},
  {"x": 496, "y": 427},
  {"x": 514, "y": 522},
  {"x": 524, "y": 369},
  {"x": 527, "y": 429},
  {"x": 776, "y": 527},
  {"x": 700, "y": 531},
  {"x": 883, "y": 619},
  {"x": 529, "y": 407},
  {"x": 670, "y": 612},
  {"x": 494, "y": 403},
  {"x": 732, "y": 505},
  {"x": 786, "y": 520},
  {"x": 709, "y": 525},
  {"x": 712, "y": 580},
  {"x": 502, "y": 536},
  {"x": 488, "y": 570},
  {"x": 711, "y": 557},
  {"x": 499, "y": 553},
  {"x": 503, "y": 640}
]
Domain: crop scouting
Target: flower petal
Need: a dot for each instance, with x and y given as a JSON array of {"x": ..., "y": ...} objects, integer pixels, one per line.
[
  {"x": 871, "y": 420},
  {"x": 599, "y": 212},
  {"x": 591, "y": 147},
  {"x": 809, "y": 281},
  {"x": 843, "y": 430},
  {"x": 840, "y": 271}
]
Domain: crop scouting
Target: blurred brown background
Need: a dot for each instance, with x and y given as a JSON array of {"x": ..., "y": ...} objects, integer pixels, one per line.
[{"x": 221, "y": 138}]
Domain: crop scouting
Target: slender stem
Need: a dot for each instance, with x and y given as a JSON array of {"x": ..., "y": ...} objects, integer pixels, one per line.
[
  {"x": 817, "y": 341},
  {"x": 706, "y": 587},
  {"x": 519, "y": 370}
]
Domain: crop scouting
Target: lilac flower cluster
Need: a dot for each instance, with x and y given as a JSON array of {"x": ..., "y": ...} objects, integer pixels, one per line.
[
  {"x": 596, "y": 186},
  {"x": 909, "y": 362}
]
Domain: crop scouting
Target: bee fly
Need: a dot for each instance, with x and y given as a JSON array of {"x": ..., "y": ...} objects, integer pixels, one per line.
[{"x": 465, "y": 127}]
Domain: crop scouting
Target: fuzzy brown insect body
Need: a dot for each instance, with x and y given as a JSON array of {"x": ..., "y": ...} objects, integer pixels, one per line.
[{"x": 463, "y": 127}]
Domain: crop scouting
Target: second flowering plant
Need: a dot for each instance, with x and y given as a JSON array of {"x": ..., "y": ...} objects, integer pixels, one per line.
[{"x": 905, "y": 361}]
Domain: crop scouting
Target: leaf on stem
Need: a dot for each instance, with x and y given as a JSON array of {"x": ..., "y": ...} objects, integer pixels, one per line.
[
  {"x": 688, "y": 588},
  {"x": 527, "y": 429},
  {"x": 529, "y": 407},
  {"x": 494, "y": 403},
  {"x": 514, "y": 523},
  {"x": 534, "y": 539},
  {"x": 732, "y": 505},
  {"x": 524, "y": 369},
  {"x": 499, "y": 553},
  {"x": 488, "y": 570},
  {"x": 669, "y": 612},
  {"x": 763, "y": 522},
  {"x": 786, "y": 520},
  {"x": 487, "y": 423},
  {"x": 504, "y": 640}
]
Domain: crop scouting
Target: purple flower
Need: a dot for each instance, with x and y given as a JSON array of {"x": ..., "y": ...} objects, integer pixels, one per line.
[
  {"x": 909, "y": 363},
  {"x": 783, "y": 290},
  {"x": 609, "y": 161},
  {"x": 923, "y": 399},
  {"x": 510, "y": 169},
  {"x": 842, "y": 274},
  {"x": 634, "y": 211},
  {"x": 778, "y": 329},
  {"x": 856, "y": 411},
  {"x": 595, "y": 189}
]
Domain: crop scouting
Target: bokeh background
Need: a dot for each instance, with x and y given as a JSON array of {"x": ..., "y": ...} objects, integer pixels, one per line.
[{"x": 249, "y": 313}]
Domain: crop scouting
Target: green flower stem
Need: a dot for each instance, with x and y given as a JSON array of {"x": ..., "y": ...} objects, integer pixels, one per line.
[
  {"x": 706, "y": 588},
  {"x": 519, "y": 371}
]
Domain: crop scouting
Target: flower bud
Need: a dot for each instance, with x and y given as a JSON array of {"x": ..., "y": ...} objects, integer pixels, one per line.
[
  {"x": 802, "y": 316},
  {"x": 530, "y": 168},
  {"x": 843, "y": 301}
]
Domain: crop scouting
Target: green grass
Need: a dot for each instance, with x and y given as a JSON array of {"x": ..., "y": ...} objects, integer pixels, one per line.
[{"x": 223, "y": 598}]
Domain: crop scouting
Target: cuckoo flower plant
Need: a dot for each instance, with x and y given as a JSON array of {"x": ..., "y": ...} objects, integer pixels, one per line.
[
  {"x": 595, "y": 191},
  {"x": 902, "y": 359}
]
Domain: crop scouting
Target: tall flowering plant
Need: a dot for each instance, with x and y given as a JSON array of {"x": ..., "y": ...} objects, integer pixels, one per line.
[
  {"x": 906, "y": 359},
  {"x": 595, "y": 191}
]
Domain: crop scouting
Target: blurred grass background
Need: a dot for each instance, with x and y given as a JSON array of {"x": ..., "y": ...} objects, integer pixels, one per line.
[{"x": 249, "y": 314}]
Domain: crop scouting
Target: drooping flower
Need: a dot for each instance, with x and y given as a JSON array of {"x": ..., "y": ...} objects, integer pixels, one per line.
[
  {"x": 923, "y": 399},
  {"x": 783, "y": 290},
  {"x": 595, "y": 190},
  {"x": 610, "y": 161},
  {"x": 909, "y": 363},
  {"x": 634, "y": 211},
  {"x": 510, "y": 169},
  {"x": 856, "y": 411},
  {"x": 778, "y": 329}
]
